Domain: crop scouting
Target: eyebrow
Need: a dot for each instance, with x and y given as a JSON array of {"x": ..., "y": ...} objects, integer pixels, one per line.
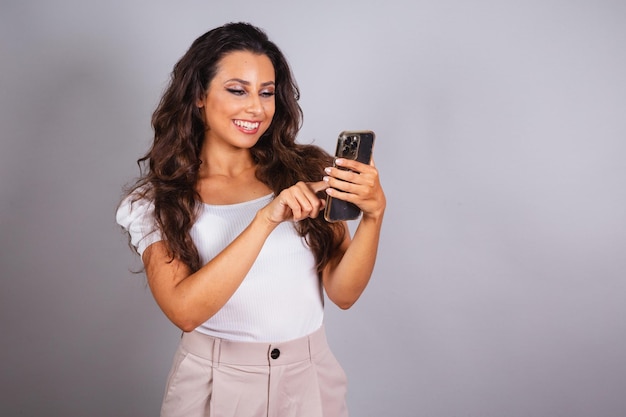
[{"x": 239, "y": 80}]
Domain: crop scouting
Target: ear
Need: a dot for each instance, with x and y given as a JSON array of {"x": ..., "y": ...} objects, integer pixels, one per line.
[{"x": 200, "y": 103}]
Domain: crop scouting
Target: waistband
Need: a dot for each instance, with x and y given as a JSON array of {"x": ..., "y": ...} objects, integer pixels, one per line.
[{"x": 254, "y": 353}]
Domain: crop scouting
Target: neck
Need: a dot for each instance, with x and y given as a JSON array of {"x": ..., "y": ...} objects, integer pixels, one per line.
[{"x": 228, "y": 163}]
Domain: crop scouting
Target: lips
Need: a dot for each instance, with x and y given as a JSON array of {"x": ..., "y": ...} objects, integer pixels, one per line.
[{"x": 246, "y": 126}]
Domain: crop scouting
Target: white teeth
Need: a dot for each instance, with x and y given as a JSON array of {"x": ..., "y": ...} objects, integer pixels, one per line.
[{"x": 247, "y": 125}]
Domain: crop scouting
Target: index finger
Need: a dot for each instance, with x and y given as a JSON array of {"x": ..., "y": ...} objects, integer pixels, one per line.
[
  {"x": 318, "y": 186},
  {"x": 351, "y": 164}
]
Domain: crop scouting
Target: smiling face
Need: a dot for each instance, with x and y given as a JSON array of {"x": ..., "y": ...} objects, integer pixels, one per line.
[{"x": 239, "y": 104}]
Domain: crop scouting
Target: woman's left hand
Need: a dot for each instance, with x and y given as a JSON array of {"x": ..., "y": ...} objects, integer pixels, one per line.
[{"x": 360, "y": 185}]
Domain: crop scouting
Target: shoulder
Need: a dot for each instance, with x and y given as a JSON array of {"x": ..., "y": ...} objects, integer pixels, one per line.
[
  {"x": 136, "y": 215},
  {"x": 314, "y": 160},
  {"x": 313, "y": 155},
  {"x": 135, "y": 202},
  {"x": 313, "y": 150}
]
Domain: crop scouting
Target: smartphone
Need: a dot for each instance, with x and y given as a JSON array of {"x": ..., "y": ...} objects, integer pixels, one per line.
[{"x": 357, "y": 145}]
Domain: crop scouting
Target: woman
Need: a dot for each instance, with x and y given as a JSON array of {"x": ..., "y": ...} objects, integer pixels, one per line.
[{"x": 226, "y": 218}]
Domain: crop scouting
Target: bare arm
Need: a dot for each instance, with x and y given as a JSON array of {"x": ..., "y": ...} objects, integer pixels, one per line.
[
  {"x": 189, "y": 299},
  {"x": 348, "y": 273}
]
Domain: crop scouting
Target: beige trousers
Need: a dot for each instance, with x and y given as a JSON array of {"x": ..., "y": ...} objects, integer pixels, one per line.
[{"x": 213, "y": 377}]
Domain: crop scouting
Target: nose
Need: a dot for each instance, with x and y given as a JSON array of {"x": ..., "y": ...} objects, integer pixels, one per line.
[{"x": 254, "y": 104}]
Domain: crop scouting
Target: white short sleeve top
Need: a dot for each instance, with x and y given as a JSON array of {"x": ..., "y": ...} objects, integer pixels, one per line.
[{"x": 280, "y": 299}]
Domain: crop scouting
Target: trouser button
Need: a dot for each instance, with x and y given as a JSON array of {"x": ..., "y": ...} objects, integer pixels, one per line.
[{"x": 275, "y": 353}]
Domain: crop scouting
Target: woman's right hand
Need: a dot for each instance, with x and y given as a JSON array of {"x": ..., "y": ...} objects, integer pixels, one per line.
[{"x": 298, "y": 202}]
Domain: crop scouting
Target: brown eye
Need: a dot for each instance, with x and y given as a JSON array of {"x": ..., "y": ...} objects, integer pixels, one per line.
[{"x": 236, "y": 91}]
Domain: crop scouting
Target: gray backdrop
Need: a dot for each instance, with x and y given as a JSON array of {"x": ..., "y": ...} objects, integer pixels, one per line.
[{"x": 500, "y": 290}]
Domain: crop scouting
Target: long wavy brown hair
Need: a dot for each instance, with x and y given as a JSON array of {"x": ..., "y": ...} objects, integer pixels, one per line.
[{"x": 169, "y": 170}]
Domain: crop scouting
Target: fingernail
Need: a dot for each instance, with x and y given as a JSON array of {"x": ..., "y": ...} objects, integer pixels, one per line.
[
  {"x": 326, "y": 179},
  {"x": 339, "y": 161},
  {"x": 329, "y": 191},
  {"x": 327, "y": 170}
]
